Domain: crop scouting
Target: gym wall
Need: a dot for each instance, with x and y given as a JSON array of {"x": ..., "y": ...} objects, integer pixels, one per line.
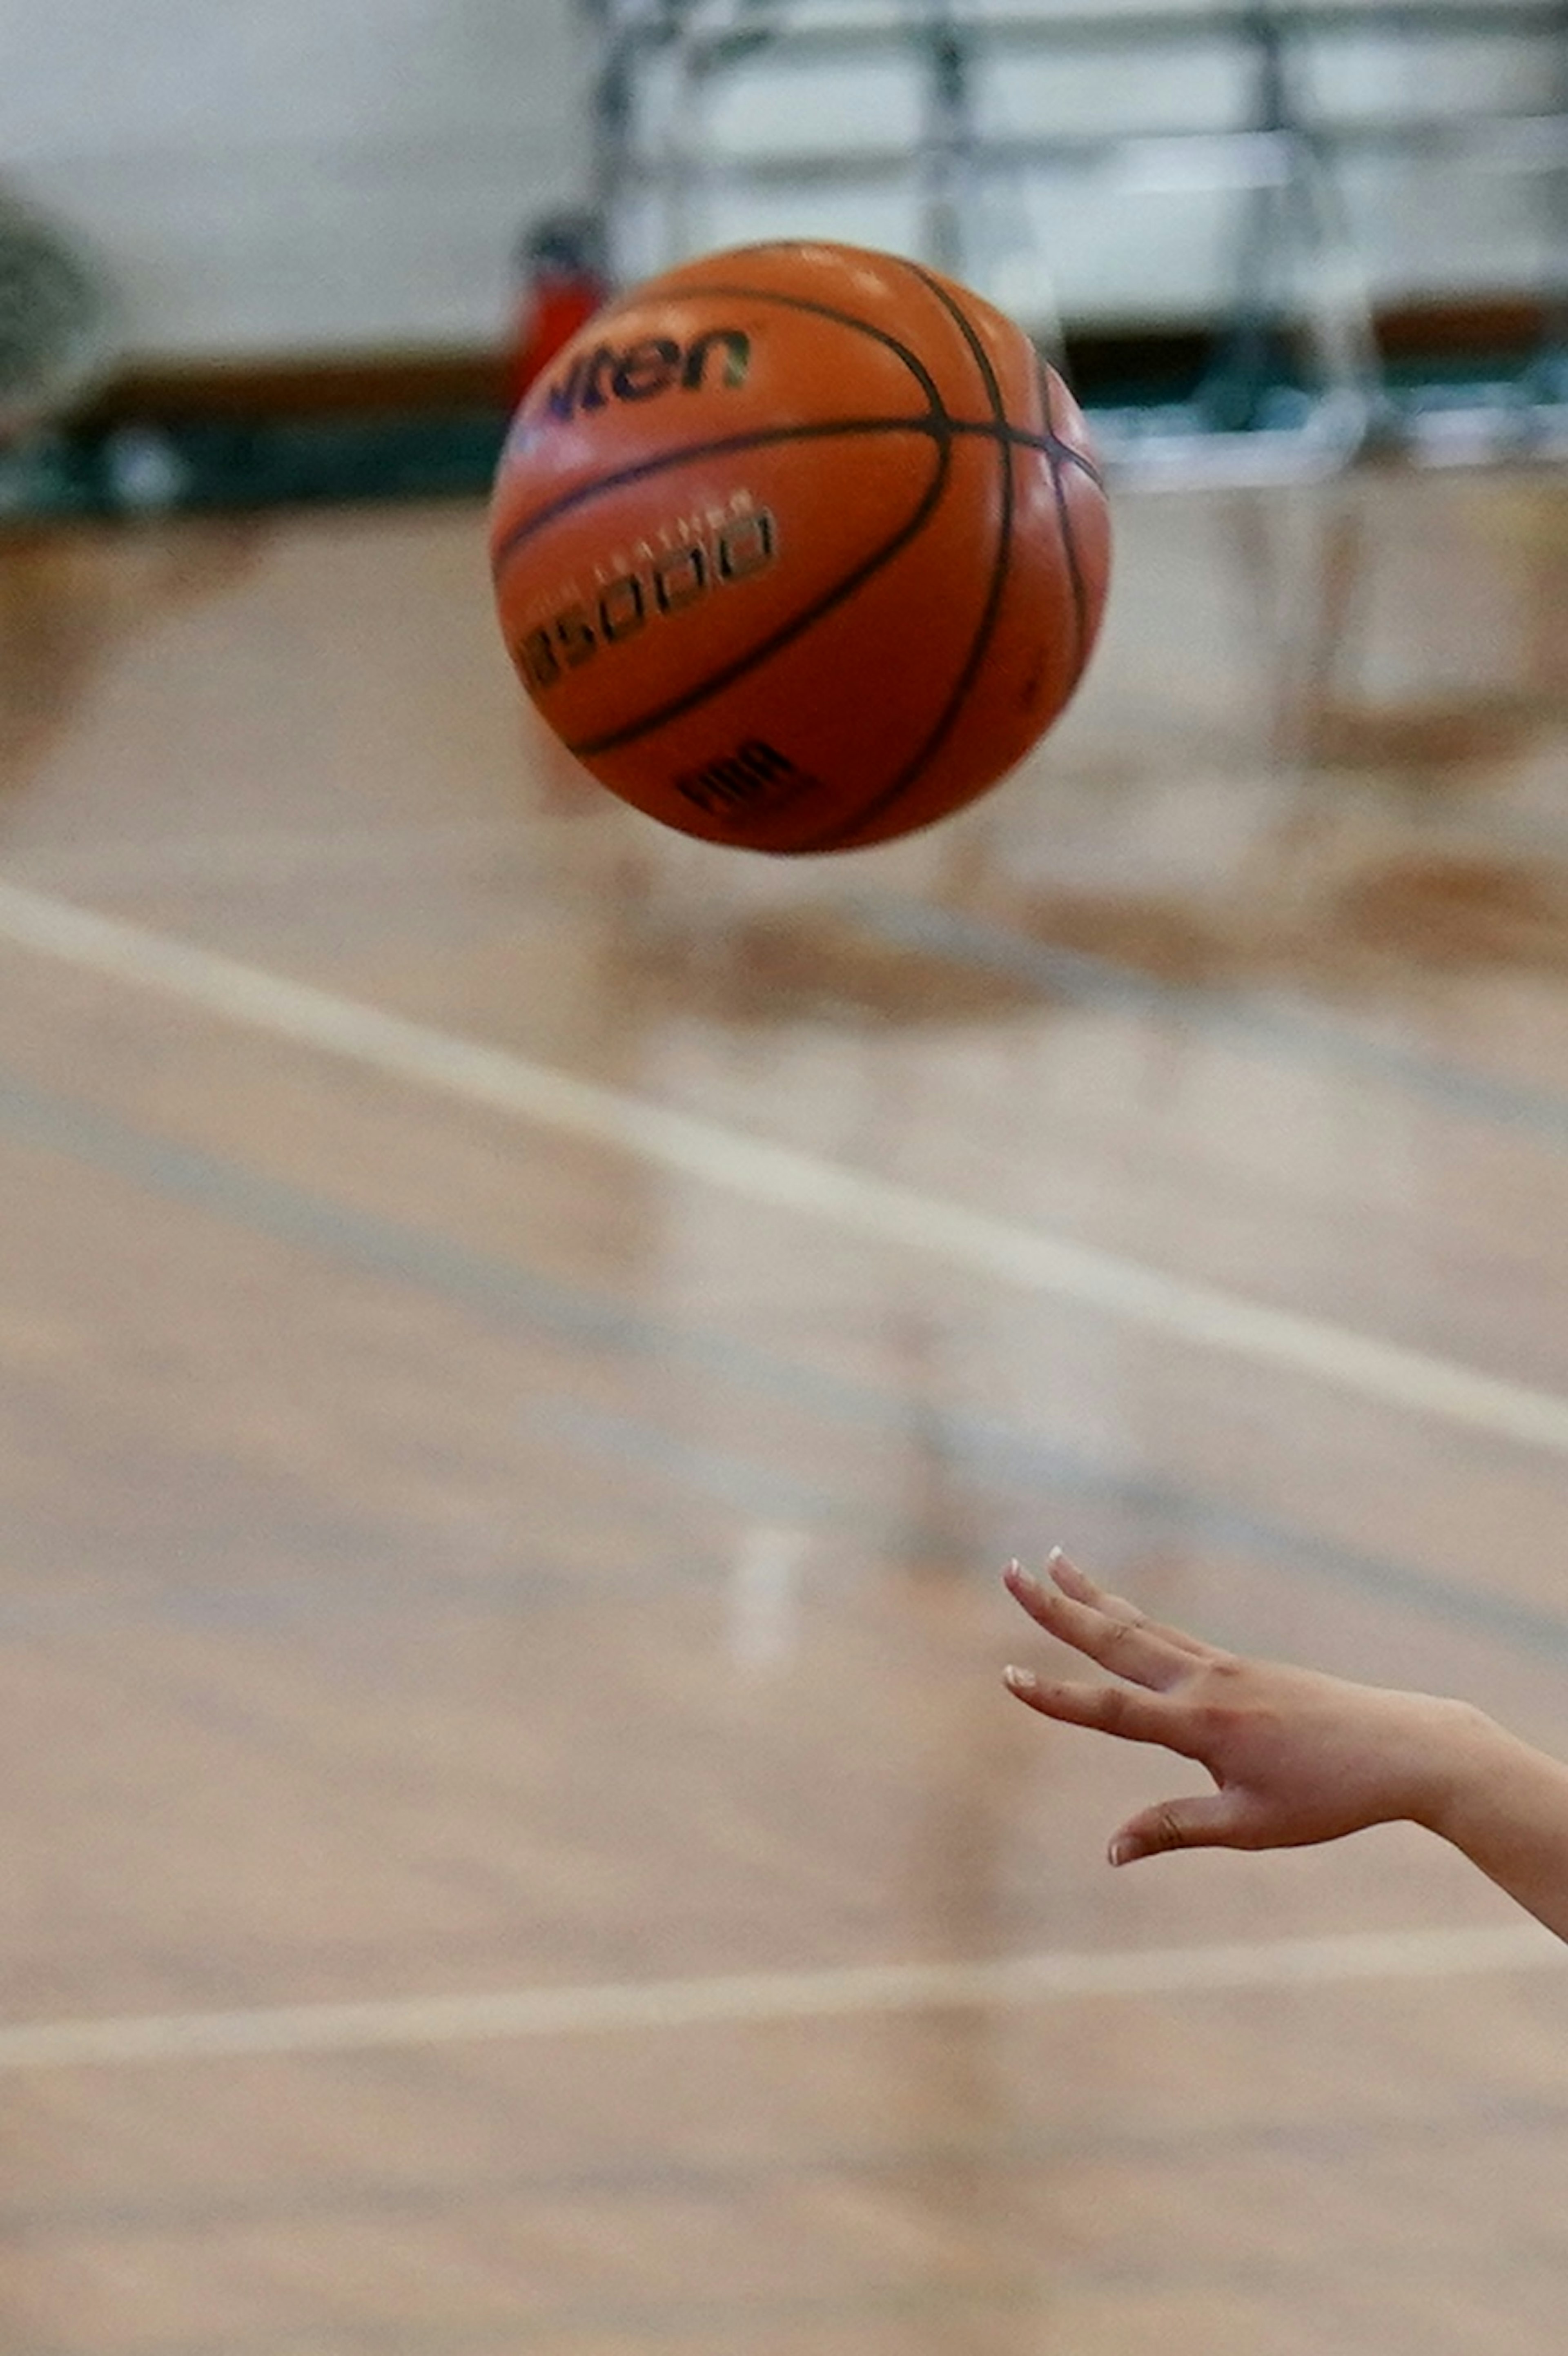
[{"x": 317, "y": 176}]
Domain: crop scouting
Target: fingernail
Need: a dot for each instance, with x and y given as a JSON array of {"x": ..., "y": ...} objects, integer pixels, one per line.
[
  {"x": 1056, "y": 1555},
  {"x": 1123, "y": 1851},
  {"x": 1017, "y": 1576},
  {"x": 1021, "y": 1681}
]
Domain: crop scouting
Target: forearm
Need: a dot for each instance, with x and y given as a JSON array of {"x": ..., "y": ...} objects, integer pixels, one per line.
[{"x": 1505, "y": 1807}]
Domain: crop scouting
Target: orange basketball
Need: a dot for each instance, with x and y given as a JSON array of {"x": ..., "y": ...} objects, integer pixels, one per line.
[{"x": 799, "y": 548}]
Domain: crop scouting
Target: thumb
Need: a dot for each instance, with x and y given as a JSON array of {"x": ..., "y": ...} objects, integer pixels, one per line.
[{"x": 1206, "y": 1820}]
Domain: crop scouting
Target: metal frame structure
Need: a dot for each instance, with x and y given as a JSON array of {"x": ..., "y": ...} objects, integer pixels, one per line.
[{"x": 1297, "y": 273}]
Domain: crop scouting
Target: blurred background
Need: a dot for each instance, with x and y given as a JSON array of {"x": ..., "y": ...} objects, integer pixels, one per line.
[
  {"x": 525, "y": 1339},
  {"x": 280, "y": 217}
]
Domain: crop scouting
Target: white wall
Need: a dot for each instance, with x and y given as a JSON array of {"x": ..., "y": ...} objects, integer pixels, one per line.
[
  {"x": 295, "y": 174},
  {"x": 288, "y": 176}
]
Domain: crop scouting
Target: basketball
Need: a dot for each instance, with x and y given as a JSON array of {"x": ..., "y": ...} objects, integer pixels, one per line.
[{"x": 799, "y": 548}]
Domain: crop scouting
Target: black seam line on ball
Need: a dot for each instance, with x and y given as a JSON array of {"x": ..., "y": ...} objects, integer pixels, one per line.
[
  {"x": 1070, "y": 542},
  {"x": 1001, "y": 562},
  {"x": 1018, "y": 437},
  {"x": 933, "y": 424},
  {"x": 690, "y": 453},
  {"x": 587, "y": 748},
  {"x": 1055, "y": 448}
]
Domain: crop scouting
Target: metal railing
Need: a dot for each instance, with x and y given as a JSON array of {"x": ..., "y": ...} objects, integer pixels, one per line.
[{"x": 1298, "y": 278}]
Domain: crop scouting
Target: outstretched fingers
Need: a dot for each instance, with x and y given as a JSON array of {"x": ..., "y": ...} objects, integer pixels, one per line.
[{"x": 1105, "y": 1630}]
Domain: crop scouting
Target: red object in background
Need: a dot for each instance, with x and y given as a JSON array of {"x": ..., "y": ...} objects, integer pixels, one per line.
[{"x": 563, "y": 282}]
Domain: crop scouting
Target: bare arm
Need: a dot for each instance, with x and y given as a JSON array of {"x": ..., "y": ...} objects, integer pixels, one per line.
[{"x": 1295, "y": 1757}]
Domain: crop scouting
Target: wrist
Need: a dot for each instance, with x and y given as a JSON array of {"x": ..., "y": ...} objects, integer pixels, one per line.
[{"x": 1472, "y": 1758}]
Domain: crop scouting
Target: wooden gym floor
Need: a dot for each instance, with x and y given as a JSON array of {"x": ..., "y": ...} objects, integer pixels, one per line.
[{"x": 525, "y": 1346}]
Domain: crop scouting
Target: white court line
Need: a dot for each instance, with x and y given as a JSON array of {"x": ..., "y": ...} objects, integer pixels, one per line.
[
  {"x": 279, "y": 856},
  {"x": 782, "y": 1178},
  {"x": 756, "y": 1999}
]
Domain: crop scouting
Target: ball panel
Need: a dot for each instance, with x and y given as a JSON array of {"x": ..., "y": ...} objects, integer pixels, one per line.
[
  {"x": 880, "y": 292},
  {"x": 1051, "y": 605},
  {"x": 1033, "y": 660},
  {"x": 1087, "y": 534},
  {"x": 950, "y": 323},
  {"x": 850, "y": 705},
  {"x": 678, "y": 368},
  {"x": 624, "y": 610}
]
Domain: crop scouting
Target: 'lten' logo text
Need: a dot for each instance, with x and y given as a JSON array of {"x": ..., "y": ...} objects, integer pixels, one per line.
[{"x": 642, "y": 371}]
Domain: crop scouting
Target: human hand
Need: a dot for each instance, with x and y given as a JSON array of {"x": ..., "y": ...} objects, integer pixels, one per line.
[{"x": 1295, "y": 1757}]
